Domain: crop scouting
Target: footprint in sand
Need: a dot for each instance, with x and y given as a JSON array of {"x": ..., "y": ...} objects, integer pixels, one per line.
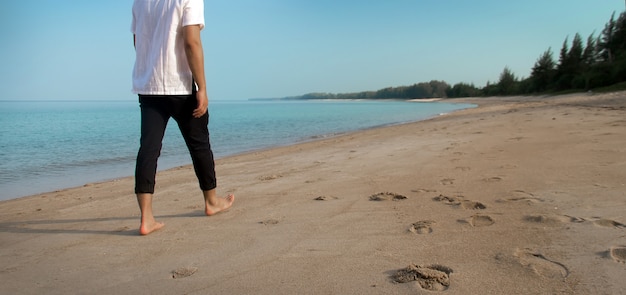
[
  {"x": 608, "y": 223},
  {"x": 269, "y": 221},
  {"x": 430, "y": 277},
  {"x": 618, "y": 253},
  {"x": 472, "y": 205},
  {"x": 516, "y": 138},
  {"x": 522, "y": 196},
  {"x": 460, "y": 202},
  {"x": 385, "y": 196},
  {"x": 478, "y": 220},
  {"x": 447, "y": 181},
  {"x": 183, "y": 272},
  {"x": 492, "y": 179},
  {"x": 270, "y": 177},
  {"x": 448, "y": 200},
  {"x": 422, "y": 227},
  {"x": 541, "y": 265},
  {"x": 553, "y": 219},
  {"x": 325, "y": 198}
]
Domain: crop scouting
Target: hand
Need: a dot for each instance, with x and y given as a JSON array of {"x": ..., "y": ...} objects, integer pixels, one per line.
[{"x": 203, "y": 104}]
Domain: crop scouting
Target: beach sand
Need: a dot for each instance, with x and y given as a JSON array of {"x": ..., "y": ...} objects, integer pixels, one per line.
[{"x": 521, "y": 195}]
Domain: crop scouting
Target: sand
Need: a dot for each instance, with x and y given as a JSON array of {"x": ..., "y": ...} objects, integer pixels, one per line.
[{"x": 521, "y": 195}]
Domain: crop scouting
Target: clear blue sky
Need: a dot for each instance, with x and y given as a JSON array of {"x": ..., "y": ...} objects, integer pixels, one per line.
[{"x": 82, "y": 50}]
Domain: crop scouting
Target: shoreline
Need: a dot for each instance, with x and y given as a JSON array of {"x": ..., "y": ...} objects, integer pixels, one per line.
[
  {"x": 113, "y": 171},
  {"x": 520, "y": 195}
]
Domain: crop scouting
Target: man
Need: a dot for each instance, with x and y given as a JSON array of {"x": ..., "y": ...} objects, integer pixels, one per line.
[{"x": 169, "y": 78}]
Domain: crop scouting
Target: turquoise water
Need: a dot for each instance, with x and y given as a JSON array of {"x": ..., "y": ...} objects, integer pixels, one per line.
[{"x": 50, "y": 145}]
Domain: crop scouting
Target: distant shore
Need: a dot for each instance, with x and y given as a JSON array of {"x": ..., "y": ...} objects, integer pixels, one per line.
[{"x": 521, "y": 195}]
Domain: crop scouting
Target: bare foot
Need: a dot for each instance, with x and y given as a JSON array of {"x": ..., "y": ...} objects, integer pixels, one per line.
[
  {"x": 149, "y": 227},
  {"x": 220, "y": 204}
]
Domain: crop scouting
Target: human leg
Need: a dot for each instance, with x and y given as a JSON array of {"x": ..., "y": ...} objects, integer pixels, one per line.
[
  {"x": 154, "y": 117},
  {"x": 196, "y": 134},
  {"x": 153, "y": 122},
  {"x": 148, "y": 223}
]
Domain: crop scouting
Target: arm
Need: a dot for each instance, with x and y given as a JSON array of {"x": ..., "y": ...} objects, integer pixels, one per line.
[{"x": 195, "y": 58}]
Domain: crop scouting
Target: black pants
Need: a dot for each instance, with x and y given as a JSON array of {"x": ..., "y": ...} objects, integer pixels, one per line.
[{"x": 155, "y": 113}]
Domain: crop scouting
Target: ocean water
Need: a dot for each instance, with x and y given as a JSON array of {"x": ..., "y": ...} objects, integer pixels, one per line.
[{"x": 51, "y": 145}]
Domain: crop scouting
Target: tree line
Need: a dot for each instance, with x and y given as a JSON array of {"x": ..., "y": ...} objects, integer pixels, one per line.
[
  {"x": 582, "y": 65},
  {"x": 420, "y": 90}
]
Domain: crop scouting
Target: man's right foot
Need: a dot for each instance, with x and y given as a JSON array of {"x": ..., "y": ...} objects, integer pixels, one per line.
[{"x": 222, "y": 204}]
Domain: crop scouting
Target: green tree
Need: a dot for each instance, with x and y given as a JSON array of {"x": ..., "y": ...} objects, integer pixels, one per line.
[
  {"x": 439, "y": 88},
  {"x": 416, "y": 91},
  {"x": 561, "y": 77},
  {"x": 507, "y": 83},
  {"x": 610, "y": 67},
  {"x": 542, "y": 75},
  {"x": 619, "y": 47},
  {"x": 569, "y": 67},
  {"x": 575, "y": 54},
  {"x": 463, "y": 90},
  {"x": 590, "y": 55},
  {"x": 606, "y": 44},
  {"x": 588, "y": 59},
  {"x": 575, "y": 63}
]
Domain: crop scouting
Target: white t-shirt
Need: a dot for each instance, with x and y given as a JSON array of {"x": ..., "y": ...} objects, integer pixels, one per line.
[{"x": 161, "y": 66}]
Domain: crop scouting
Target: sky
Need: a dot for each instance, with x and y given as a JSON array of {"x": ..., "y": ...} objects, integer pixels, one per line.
[{"x": 82, "y": 50}]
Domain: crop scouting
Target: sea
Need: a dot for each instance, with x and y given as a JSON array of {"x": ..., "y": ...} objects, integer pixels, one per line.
[{"x": 51, "y": 145}]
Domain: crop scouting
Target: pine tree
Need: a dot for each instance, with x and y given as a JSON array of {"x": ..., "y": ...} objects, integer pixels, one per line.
[
  {"x": 563, "y": 53},
  {"x": 542, "y": 75},
  {"x": 589, "y": 56},
  {"x": 575, "y": 66},
  {"x": 507, "y": 82},
  {"x": 563, "y": 76},
  {"x": 605, "y": 41}
]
